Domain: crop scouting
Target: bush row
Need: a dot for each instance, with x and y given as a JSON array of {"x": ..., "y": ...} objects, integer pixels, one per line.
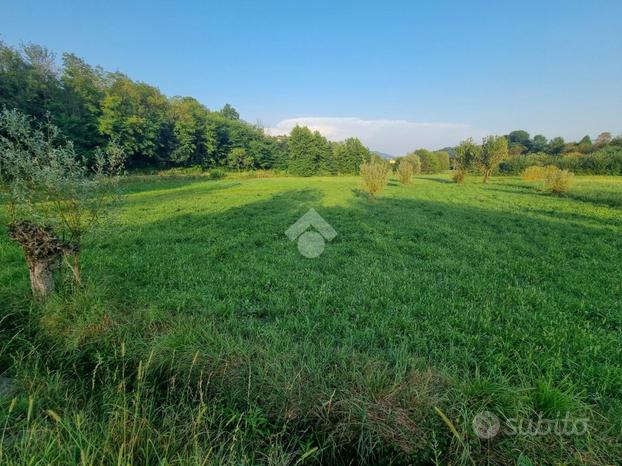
[{"x": 607, "y": 161}]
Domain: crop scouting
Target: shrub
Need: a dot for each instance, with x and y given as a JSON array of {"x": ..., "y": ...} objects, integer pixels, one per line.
[
  {"x": 415, "y": 161},
  {"x": 430, "y": 162},
  {"x": 494, "y": 150},
  {"x": 375, "y": 177},
  {"x": 606, "y": 161},
  {"x": 459, "y": 176},
  {"x": 516, "y": 164},
  {"x": 466, "y": 155},
  {"x": 405, "y": 171},
  {"x": 533, "y": 173},
  {"x": 54, "y": 196},
  {"x": 557, "y": 181},
  {"x": 216, "y": 174},
  {"x": 239, "y": 159}
]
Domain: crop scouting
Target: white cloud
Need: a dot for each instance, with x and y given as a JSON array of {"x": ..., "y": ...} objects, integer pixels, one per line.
[{"x": 395, "y": 137}]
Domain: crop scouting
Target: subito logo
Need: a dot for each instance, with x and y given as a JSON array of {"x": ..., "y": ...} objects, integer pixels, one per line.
[
  {"x": 311, "y": 242},
  {"x": 486, "y": 425}
]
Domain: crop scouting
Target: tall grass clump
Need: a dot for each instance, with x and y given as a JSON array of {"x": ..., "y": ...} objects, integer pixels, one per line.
[
  {"x": 217, "y": 173},
  {"x": 459, "y": 176},
  {"x": 125, "y": 415},
  {"x": 375, "y": 176}
]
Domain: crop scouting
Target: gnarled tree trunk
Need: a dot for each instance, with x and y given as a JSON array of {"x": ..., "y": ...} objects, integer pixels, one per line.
[
  {"x": 43, "y": 251},
  {"x": 42, "y": 276}
]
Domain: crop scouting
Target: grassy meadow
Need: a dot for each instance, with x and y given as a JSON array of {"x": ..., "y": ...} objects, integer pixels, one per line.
[{"x": 202, "y": 336}]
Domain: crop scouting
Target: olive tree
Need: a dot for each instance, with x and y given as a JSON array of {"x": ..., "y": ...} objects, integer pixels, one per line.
[{"x": 53, "y": 195}]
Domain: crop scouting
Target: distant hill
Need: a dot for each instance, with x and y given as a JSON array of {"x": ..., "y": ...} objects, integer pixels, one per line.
[
  {"x": 383, "y": 155},
  {"x": 450, "y": 150}
]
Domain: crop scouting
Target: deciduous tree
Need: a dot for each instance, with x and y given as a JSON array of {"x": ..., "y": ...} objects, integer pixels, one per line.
[
  {"x": 467, "y": 154},
  {"x": 494, "y": 150},
  {"x": 54, "y": 197}
]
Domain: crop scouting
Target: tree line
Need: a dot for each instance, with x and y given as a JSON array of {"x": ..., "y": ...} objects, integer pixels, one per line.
[
  {"x": 514, "y": 152},
  {"x": 520, "y": 143},
  {"x": 92, "y": 107}
]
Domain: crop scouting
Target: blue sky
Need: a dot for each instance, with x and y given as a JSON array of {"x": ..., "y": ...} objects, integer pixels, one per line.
[{"x": 399, "y": 75}]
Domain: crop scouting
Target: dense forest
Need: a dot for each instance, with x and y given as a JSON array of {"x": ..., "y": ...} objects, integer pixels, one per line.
[{"x": 92, "y": 107}]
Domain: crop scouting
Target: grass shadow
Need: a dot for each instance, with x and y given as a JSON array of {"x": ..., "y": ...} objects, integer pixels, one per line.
[
  {"x": 436, "y": 180},
  {"x": 407, "y": 288}
]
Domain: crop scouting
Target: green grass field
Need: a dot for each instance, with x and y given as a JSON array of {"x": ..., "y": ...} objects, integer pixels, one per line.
[{"x": 203, "y": 336}]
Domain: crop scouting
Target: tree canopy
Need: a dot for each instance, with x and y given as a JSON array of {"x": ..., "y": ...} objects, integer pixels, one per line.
[{"x": 92, "y": 107}]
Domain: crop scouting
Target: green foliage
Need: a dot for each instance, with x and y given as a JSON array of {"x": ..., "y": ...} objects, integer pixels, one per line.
[
  {"x": 551, "y": 402},
  {"x": 607, "y": 161},
  {"x": 29, "y": 80},
  {"x": 533, "y": 173},
  {"x": 348, "y": 156},
  {"x": 229, "y": 112},
  {"x": 52, "y": 193},
  {"x": 217, "y": 173},
  {"x": 192, "y": 144},
  {"x": 432, "y": 162},
  {"x": 135, "y": 114},
  {"x": 46, "y": 182},
  {"x": 443, "y": 160},
  {"x": 414, "y": 160},
  {"x": 309, "y": 152},
  {"x": 557, "y": 181},
  {"x": 375, "y": 176},
  {"x": 520, "y": 144},
  {"x": 556, "y": 146},
  {"x": 540, "y": 143},
  {"x": 429, "y": 161},
  {"x": 224, "y": 134},
  {"x": 585, "y": 145},
  {"x": 91, "y": 107},
  {"x": 467, "y": 154},
  {"x": 458, "y": 176},
  {"x": 83, "y": 89},
  {"x": 239, "y": 159},
  {"x": 405, "y": 171},
  {"x": 520, "y": 139},
  {"x": 269, "y": 152},
  {"x": 494, "y": 150},
  {"x": 196, "y": 297}
]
